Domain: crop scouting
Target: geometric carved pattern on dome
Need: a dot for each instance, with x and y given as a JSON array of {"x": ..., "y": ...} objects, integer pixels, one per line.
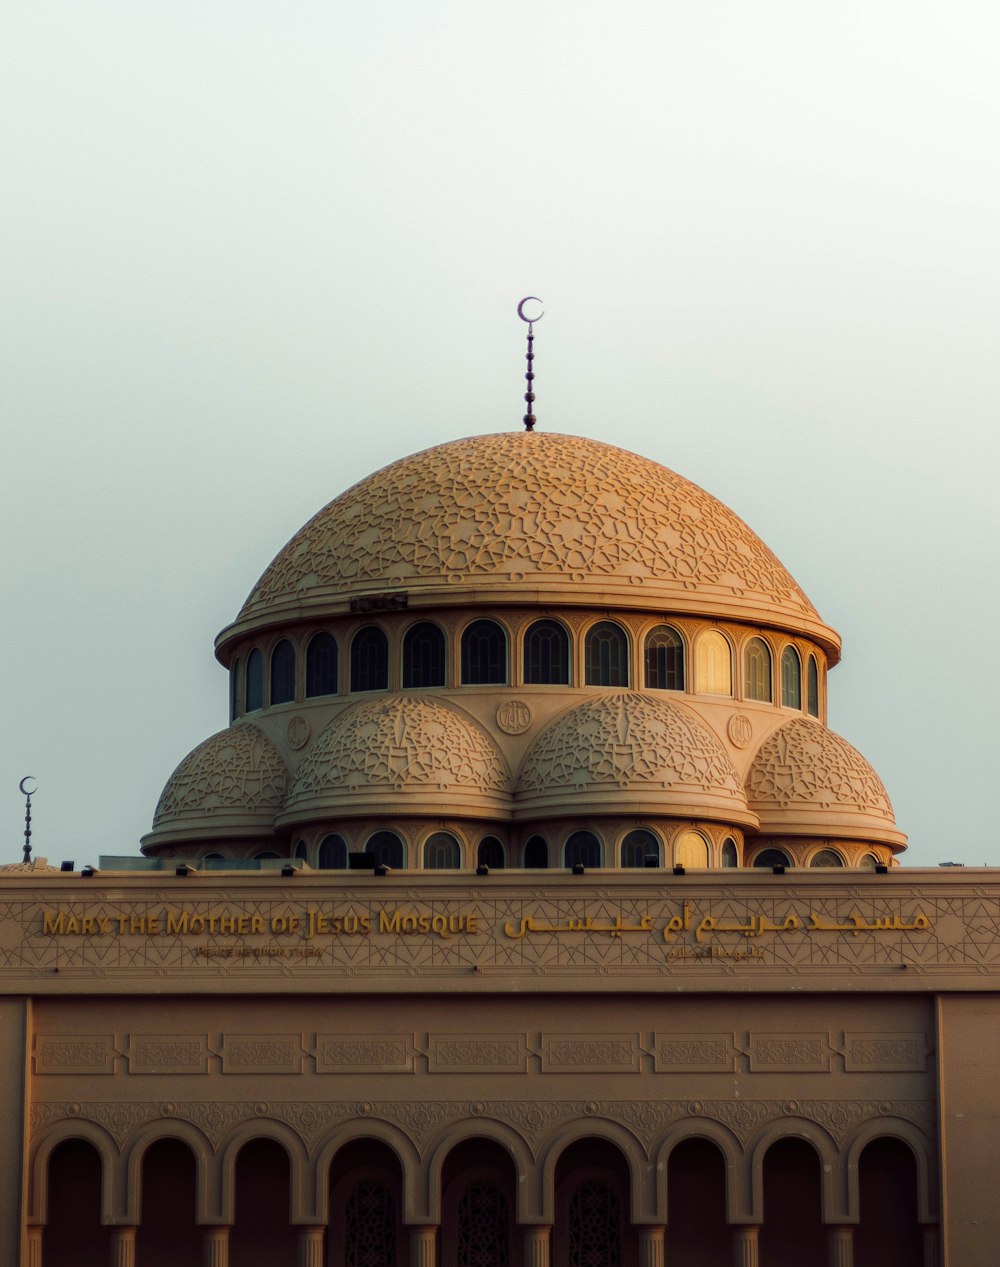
[
  {"x": 803, "y": 763},
  {"x": 398, "y": 742},
  {"x": 237, "y": 769},
  {"x": 626, "y": 739},
  {"x": 522, "y": 507}
]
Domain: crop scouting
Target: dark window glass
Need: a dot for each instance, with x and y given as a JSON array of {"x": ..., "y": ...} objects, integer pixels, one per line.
[
  {"x": 491, "y": 854},
  {"x": 370, "y": 660},
  {"x": 442, "y": 852},
  {"x": 546, "y": 654},
  {"x": 301, "y": 852},
  {"x": 826, "y": 858},
  {"x": 283, "y": 672},
  {"x": 536, "y": 853},
  {"x": 757, "y": 670},
  {"x": 234, "y": 691},
  {"x": 772, "y": 858},
  {"x": 370, "y": 1235},
  {"x": 484, "y": 654},
  {"x": 638, "y": 846},
  {"x": 321, "y": 666},
  {"x": 484, "y": 1228},
  {"x": 730, "y": 858},
  {"x": 583, "y": 847},
  {"x": 606, "y": 652},
  {"x": 812, "y": 687},
  {"x": 267, "y": 854},
  {"x": 387, "y": 849},
  {"x": 255, "y": 681},
  {"x": 791, "y": 678},
  {"x": 423, "y": 656},
  {"x": 595, "y": 1227},
  {"x": 664, "y": 659},
  {"x": 333, "y": 854}
]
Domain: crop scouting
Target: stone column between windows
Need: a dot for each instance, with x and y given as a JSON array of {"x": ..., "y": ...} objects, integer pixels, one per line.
[
  {"x": 35, "y": 1232},
  {"x": 123, "y": 1247},
  {"x": 651, "y": 1246},
  {"x": 745, "y": 1246},
  {"x": 423, "y": 1246},
  {"x": 840, "y": 1246},
  {"x": 216, "y": 1246},
  {"x": 537, "y": 1240},
  {"x": 311, "y": 1246}
]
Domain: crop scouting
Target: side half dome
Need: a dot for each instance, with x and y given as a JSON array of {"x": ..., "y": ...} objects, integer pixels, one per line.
[
  {"x": 560, "y": 518},
  {"x": 232, "y": 785},
  {"x": 397, "y": 756},
  {"x": 808, "y": 781},
  {"x": 625, "y": 752}
]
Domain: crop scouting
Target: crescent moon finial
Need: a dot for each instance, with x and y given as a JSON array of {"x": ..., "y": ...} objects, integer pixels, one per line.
[
  {"x": 27, "y": 793},
  {"x": 527, "y": 300},
  {"x": 529, "y": 419}
]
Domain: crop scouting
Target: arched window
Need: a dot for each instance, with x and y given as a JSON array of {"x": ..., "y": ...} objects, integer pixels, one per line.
[
  {"x": 283, "y": 673},
  {"x": 386, "y": 849},
  {"x": 442, "y": 852},
  {"x": 491, "y": 854},
  {"x": 869, "y": 862},
  {"x": 595, "y": 1226},
  {"x": 690, "y": 849},
  {"x": 546, "y": 654},
  {"x": 772, "y": 858},
  {"x": 370, "y": 660},
  {"x": 536, "y": 853},
  {"x": 301, "y": 852},
  {"x": 582, "y": 849},
  {"x": 638, "y": 847},
  {"x": 484, "y": 654},
  {"x": 791, "y": 678},
  {"x": 484, "y": 1226},
  {"x": 370, "y": 1225},
  {"x": 321, "y": 666},
  {"x": 606, "y": 655},
  {"x": 255, "y": 681},
  {"x": 812, "y": 687},
  {"x": 423, "y": 656},
  {"x": 333, "y": 854},
  {"x": 730, "y": 856},
  {"x": 664, "y": 659},
  {"x": 234, "y": 691},
  {"x": 266, "y": 853},
  {"x": 826, "y": 858},
  {"x": 757, "y": 670},
  {"x": 713, "y": 664}
]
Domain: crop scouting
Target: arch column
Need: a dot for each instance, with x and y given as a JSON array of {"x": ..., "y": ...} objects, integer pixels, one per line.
[
  {"x": 35, "y": 1233},
  {"x": 537, "y": 1245},
  {"x": 651, "y": 1241},
  {"x": 123, "y": 1247},
  {"x": 423, "y": 1246},
  {"x": 840, "y": 1246},
  {"x": 311, "y": 1246},
  {"x": 746, "y": 1246},
  {"x": 215, "y": 1252}
]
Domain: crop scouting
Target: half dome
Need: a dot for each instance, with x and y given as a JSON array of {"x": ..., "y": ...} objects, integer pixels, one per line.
[
  {"x": 560, "y": 518},
  {"x": 400, "y": 755},
  {"x": 808, "y": 781},
  {"x": 624, "y": 752}
]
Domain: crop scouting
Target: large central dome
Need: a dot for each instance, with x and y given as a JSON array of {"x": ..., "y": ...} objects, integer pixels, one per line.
[{"x": 532, "y": 516}]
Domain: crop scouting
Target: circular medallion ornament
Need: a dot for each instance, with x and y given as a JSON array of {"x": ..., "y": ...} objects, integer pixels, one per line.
[
  {"x": 514, "y": 717},
  {"x": 740, "y": 730},
  {"x": 298, "y": 732}
]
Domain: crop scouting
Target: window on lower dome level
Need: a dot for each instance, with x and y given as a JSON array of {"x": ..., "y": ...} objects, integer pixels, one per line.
[
  {"x": 757, "y": 670},
  {"x": 546, "y": 654},
  {"x": 255, "y": 681},
  {"x": 332, "y": 854},
  {"x": 606, "y": 655},
  {"x": 442, "y": 852},
  {"x": 582, "y": 849},
  {"x": 301, "y": 852},
  {"x": 772, "y": 858},
  {"x": 826, "y": 858},
  {"x": 713, "y": 664},
  {"x": 283, "y": 673},
  {"x": 423, "y": 656},
  {"x": 812, "y": 687},
  {"x": 370, "y": 660},
  {"x": 869, "y": 862},
  {"x": 638, "y": 847},
  {"x": 664, "y": 659},
  {"x": 730, "y": 856},
  {"x": 490, "y": 853},
  {"x": 321, "y": 666},
  {"x": 536, "y": 853},
  {"x": 791, "y": 678},
  {"x": 484, "y": 654},
  {"x": 386, "y": 849},
  {"x": 690, "y": 849},
  {"x": 234, "y": 691}
]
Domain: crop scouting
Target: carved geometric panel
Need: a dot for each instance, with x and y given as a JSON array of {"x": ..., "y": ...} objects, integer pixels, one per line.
[
  {"x": 693, "y": 1053},
  {"x": 168, "y": 1053},
  {"x": 885, "y": 1053},
  {"x": 75, "y": 1053},
  {"x": 477, "y": 1053},
  {"x": 364, "y": 1053},
  {"x": 588, "y": 1053},
  {"x": 262, "y": 1053},
  {"x": 790, "y": 1053}
]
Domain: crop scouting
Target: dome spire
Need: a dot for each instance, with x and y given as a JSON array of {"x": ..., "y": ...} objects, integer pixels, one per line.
[{"x": 529, "y": 375}]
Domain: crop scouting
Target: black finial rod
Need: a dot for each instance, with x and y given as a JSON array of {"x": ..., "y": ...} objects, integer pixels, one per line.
[
  {"x": 529, "y": 375},
  {"x": 27, "y": 793}
]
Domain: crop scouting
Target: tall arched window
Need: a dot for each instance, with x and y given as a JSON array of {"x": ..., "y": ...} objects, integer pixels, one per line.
[
  {"x": 582, "y": 849},
  {"x": 664, "y": 657},
  {"x": 713, "y": 664},
  {"x": 255, "y": 681},
  {"x": 812, "y": 687},
  {"x": 757, "y": 670},
  {"x": 370, "y": 660},
  {"x": 234, "y": 691},
  {"x": 283, "y": 673},
  {"x": 370, "y": 1225},
  {"x": 791, "y": 678},
  {"x": 690, "y": 849},
  {"x": 536, "y": 853},
  {"x": 491, "y": 854},
  {"x": 321, "y": 666},
  {"x": 484, "y": 654},
  {"x": 333, "y": 854},
  {"x": 638, "y": 847},
  {"x": 594, "y": 1233},
  {"x": 423, "y": 656},
  {"x": 386, "y": 849},
  {"x": 730, "y": 858},
  {"x": 442, "y": 852},
  {"x": 301, "y": 852},
  {"x": 606, "y": 655},
  {"x": 546, "y": 654}
]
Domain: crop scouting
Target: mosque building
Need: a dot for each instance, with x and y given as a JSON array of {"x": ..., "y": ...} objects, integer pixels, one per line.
[{"x": 527, "y": 914}]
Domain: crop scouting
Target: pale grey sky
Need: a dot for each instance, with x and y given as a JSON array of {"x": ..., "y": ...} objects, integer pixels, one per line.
[{"x": 253, "y": 251}]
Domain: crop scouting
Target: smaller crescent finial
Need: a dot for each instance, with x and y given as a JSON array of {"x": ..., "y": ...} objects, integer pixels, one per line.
[{"x": 529, "y": 419}]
